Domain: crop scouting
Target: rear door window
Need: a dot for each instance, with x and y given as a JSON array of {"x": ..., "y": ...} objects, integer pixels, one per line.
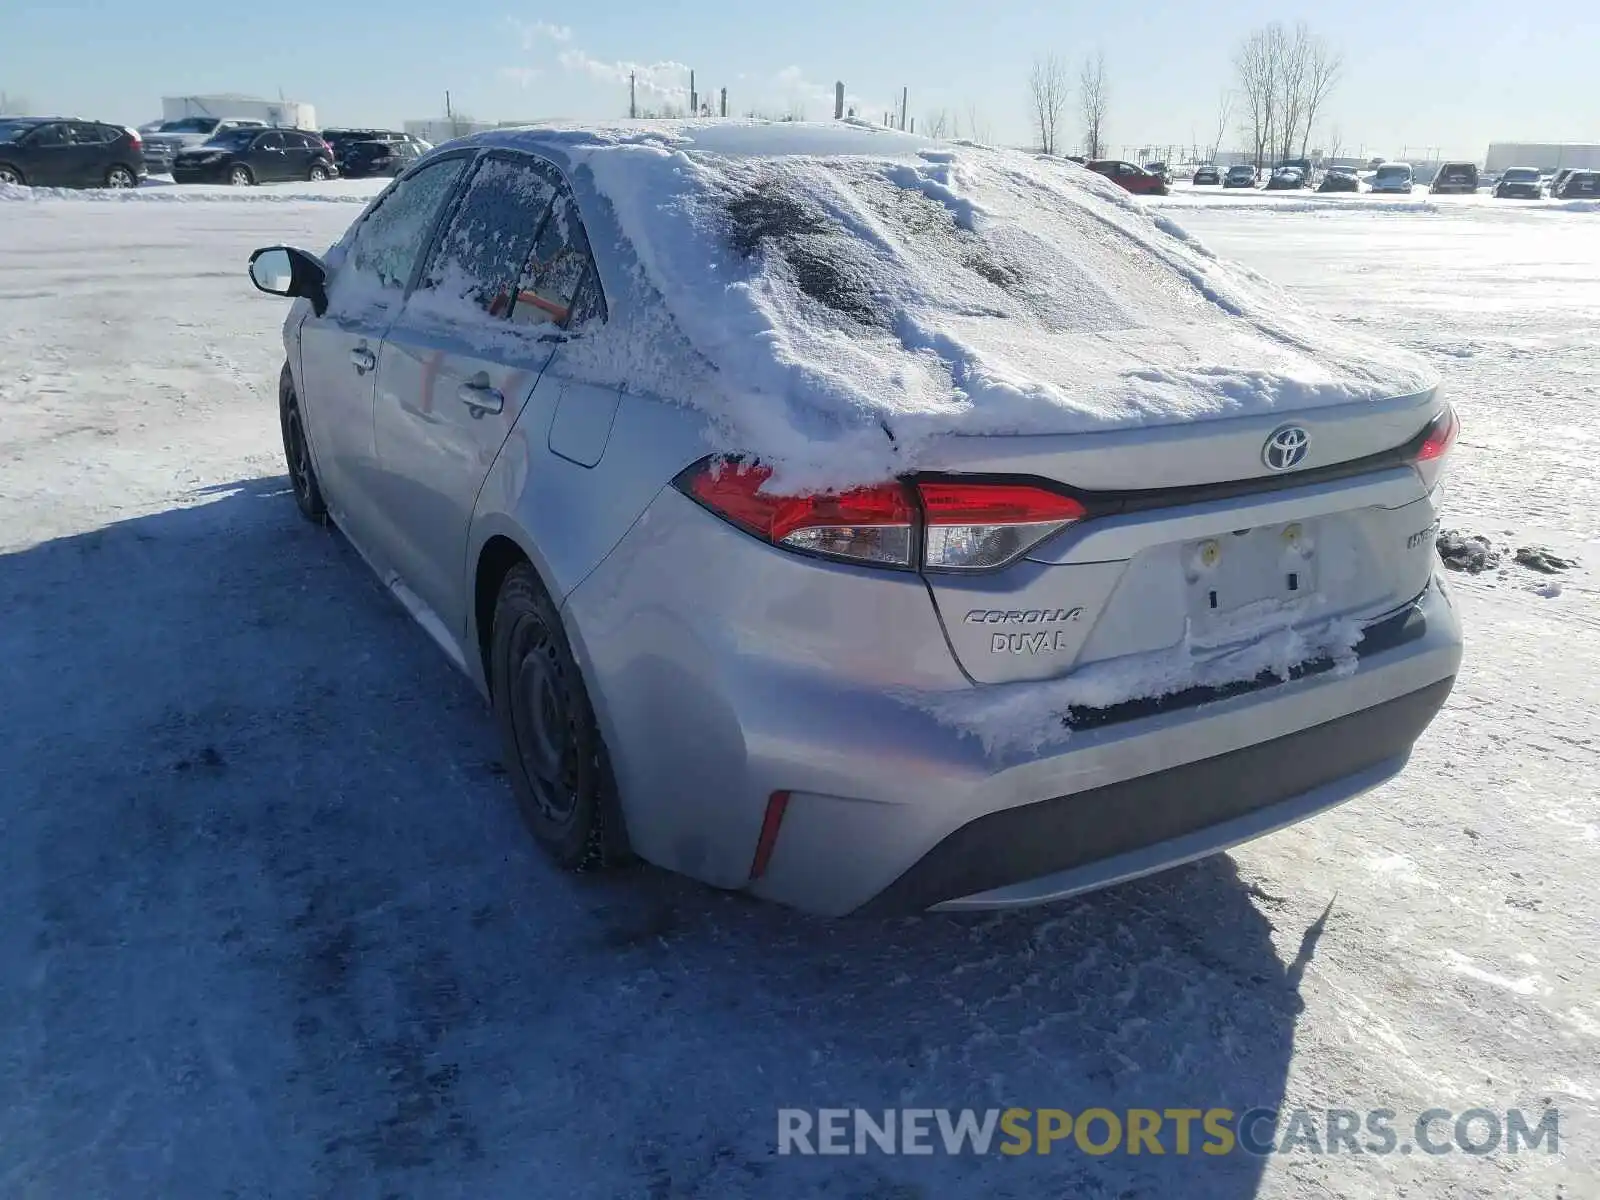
[
  {"x": 268, "y": 141},
  {"x": 391, "y": 238},
  {"x": 518, "y": 249},
  {"x": 481, "y": 256},
  {"x": 87, "y": 133}
]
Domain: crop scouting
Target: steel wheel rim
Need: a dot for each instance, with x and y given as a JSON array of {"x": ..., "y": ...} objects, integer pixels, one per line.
[
  {"x": 119, "y": 178},
  {"x": 238, "y": 177},
  {"x": 542, "y": 725}
]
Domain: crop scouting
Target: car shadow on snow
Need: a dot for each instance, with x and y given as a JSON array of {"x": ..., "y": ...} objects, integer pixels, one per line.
[{"x": 277, "y": 930}]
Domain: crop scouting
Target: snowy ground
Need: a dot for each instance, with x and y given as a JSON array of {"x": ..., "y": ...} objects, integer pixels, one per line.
[{"x": 272, "y": 928}]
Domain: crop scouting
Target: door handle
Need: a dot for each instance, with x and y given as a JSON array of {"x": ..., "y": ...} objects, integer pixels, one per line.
[
  {"x": 480, "y": 398},
  {"x": 362, "y": 359}
]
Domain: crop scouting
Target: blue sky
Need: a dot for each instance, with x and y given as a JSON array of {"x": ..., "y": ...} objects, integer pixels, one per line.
[{"x": 1453, "y": 74}]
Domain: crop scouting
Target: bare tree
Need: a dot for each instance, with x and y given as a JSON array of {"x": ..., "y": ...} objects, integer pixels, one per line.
[
  {"x": 1047, "y": 96},
  {"x": 1284, "y": 79},
  {"x": 1224, "y": 115},
  {"x": 1335, "y": 144},
  {"x": 1093, "y": 97},
  {"x": 1257, "y": 70},
  {"x": 1324, "y": 67},
  {"x": 1294, "y": 67},
  {"x": 936, "y": 124},
  {"x": 978, "y": 126}
]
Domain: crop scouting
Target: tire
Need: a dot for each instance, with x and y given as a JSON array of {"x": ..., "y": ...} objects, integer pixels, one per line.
[
  {"x": 554, "y": 753},
  {"x": 121, "y": 177},
  {"x": 318, "y": 173},
  {"x": 297, "y": 453},
  {"x": 10, "y": 174},
  {"x": 240, "y": 175}
]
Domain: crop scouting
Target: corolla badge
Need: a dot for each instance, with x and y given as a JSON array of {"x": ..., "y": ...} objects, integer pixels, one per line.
[{"x": 1285, "y": 448}]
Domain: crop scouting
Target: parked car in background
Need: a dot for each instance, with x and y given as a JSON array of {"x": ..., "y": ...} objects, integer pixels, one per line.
[
  {"x": 1241, "y": 175},
  {"x": 1207, "y": 174},
  {"x": 64, "y": 152},
  {"x": 1340, "y": 179},
  {"x": 753, "y": 683},
  {"x": 246, "y": 156},
  {"x": 1580, "y": 185},
  {"x": 1455, "y": 178},
  {"x": 1392, "y": 177},
  {"x": 1520, "y": 183},
  {"x": 341, "y": 138},
  {"x": 368, "y": 158},
  {"x": 1129, "y": 176},
  {"x": 1286, "y": 179},
  {"x": 1553, "y": 185},
  {"x": 172, "y": 137},
  {"x": 1161, "y": 169}
]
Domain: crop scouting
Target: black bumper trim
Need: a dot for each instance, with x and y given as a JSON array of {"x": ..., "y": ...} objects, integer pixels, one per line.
[
  {"x": 1033, "y": 840},
  {"x": 1405, "y": 625}
]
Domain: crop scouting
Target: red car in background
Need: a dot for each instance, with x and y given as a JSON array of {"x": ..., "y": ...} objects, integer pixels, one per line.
[{"x": 1134, "y": 178}]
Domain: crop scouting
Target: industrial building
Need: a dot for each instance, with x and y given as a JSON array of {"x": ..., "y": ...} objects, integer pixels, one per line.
[
  {"x": 287, "y": 114},
  {"x": 1547, "y": 156}
]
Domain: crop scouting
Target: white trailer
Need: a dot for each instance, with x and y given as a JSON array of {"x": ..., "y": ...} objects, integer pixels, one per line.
[{"x": 290, "y": 114}]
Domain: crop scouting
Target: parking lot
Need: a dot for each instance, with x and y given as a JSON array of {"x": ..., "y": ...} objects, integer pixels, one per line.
[{"x": 273, "y": 927}]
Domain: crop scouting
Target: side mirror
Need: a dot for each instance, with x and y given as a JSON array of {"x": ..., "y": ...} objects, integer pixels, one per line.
[{"x": 285, "y": 271}]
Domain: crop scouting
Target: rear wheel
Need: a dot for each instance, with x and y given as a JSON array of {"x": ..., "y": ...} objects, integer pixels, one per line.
[
  {"x": 239, "y": 175},
  {"x": 318, "y": 172},
  {"x": 9, "y": 174},
  {"x": 556, "y": 758},
  {"x": 297, "y": 453},
  {"x": 120, "y": 177}
]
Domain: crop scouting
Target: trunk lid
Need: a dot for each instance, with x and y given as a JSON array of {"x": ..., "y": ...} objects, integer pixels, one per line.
[{"x": 1193, "y": 541}]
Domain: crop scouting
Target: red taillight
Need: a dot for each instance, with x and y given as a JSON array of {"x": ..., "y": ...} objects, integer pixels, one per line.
[
  {"x": 138, "y": 142},
  {"x": 872, "y": 524},
  {"x": 957, "y": 526},
  {"x": 978, "y": 526},
  {"x": 1439, "y": 437}
]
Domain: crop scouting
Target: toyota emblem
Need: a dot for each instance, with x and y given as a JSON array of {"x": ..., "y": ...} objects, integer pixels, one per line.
[{"x": 1286, "y": 448}]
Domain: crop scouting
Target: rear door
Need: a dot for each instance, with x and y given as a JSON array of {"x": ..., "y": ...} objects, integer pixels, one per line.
[
  {"x": 369, "y": 273},
  {"x": 268, "y": 158},
  {"x": 462, "y": 359},
  {"x": 90, "y": 155},
  {"x": 303, "y": 150}
]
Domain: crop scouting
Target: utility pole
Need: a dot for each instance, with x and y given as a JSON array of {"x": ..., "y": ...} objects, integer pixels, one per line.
[
  {"x": 633, "y": 98},
  {"x": 838, "y": 101},
  {"x": 724, "y": 105},
  {"x": 904, "y": 92},
  {"x": 448, "y": 114},
  {"x": 694, "y": 97}
]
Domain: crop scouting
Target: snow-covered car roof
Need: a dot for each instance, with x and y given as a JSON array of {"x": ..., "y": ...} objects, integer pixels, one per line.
[{"x": 833, "y": 296}]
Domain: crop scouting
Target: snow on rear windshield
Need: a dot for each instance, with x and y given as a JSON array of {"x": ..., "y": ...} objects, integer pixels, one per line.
[{"x": 844, "y": 252}]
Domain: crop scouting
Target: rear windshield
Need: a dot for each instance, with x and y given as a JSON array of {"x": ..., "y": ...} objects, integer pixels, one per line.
[
  {"x": 189, "y": 125},
  {"x": 1521, "y": 174},
  {"x": 1241, "y": 170}
]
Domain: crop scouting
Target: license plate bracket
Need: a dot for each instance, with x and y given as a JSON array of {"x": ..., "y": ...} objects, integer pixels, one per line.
[{"x": 1261, "y": 568}]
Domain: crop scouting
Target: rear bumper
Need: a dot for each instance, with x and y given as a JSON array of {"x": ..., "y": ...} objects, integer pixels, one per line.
[
  {"x": 1075, "y": 843},
  {"x": 766, "y": 672}
]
